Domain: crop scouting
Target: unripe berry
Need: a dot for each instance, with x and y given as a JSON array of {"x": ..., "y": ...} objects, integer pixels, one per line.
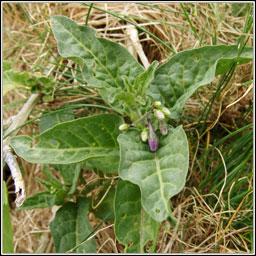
[
  {"x": 166, "y": 111},
  {"x": 159, "y": 114},
  {"x": 157, "y": 104},
  {"x": 124, "y": 127},
  {"x": 144, "y": 135}
]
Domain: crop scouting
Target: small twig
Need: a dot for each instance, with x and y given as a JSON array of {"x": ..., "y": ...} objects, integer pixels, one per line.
[
  {"x": 89, "y": 238},
  {"x": 8, "y": 156},
  {"x": 105, "y": 194}
]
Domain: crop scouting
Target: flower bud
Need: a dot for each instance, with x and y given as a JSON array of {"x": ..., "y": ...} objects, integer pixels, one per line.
[
  {"x": 53, "y": 190},
  {"x": 159, "y": 114},
  {"x": 166, "y": 111},
  {"x": 124, "y": 127},
  {"x": 144, "y": 135},
  {"x": 157, "y": 104},
  {"x": 162, "y": 125},
  {"x": 152, "y": 139}
]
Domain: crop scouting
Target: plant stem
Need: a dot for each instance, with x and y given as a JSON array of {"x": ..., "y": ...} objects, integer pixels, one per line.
[
  {"x": 142, "y": 117},
  {"x": 8, "y": 156}
]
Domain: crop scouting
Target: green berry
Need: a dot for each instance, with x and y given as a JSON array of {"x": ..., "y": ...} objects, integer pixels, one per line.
[
  {"x": 144, "y": 135},
  {"x": 166, "y": 111},
  {"x": 159, "y": 114},
  {"x": 124, "y": 127},
  {"x": 157, "y": 104}
]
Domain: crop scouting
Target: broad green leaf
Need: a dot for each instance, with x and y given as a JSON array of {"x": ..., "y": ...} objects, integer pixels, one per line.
[
  {"x": 71, "y": 227},
  {"x": 176, "y": 80},
  {"x": 39, "y": 200},
  {"x": 47, "y": 122},
  {"x": 107, "y": 204},
  {"x": 104, "y": 62},
  {"x": 7, "y": 225},
  {"x": 109, "y": 165},
  {"x": 72, "y": 141},
  {"x": 161, "y": 174},
  {"x": 133, "y": 226}
]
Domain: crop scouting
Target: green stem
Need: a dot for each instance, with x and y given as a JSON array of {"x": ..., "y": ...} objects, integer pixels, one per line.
[{"x": 142, "y": 117}]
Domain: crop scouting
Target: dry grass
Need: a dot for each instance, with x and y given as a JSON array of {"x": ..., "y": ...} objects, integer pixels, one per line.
[{"x": 23, "y": 46}]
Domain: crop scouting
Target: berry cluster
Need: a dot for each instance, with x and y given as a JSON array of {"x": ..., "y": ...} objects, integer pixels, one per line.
[{"x": 148, "y": 133}]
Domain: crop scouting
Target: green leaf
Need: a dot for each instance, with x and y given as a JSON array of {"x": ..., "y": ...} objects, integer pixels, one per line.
[
  {"x": 161, "y": 174},
  {"x": 73, "y": 141},
  {"x": 69, "y": 173},
  {"x": 176, "y": 80},
  {"x": 143, "y": 81},
  {"x": 131, "y": 97},
  {"x": 58, "y": 198},
  {"x": 49, "y": 121},
  {"x": 39, "y": 200},
  {"x": 107, "y": 205},
  {"x": 13, "y": 79},
  {"x": 7, "y": 225},
  {"x": 44, "y": 183},
  {"x": 133, "y": 226},
  {"x": 6, "y": 66},
  {"x": 71, "y": 227},
  {"x": 54, "y": 196},
  {"x": 109, "y": 165},
  {"x": 52, "y": 179},
  {"x": 126, "y": 97},
  {"x": 76, "y": 171},
  {"x": 104, "y": 61}
]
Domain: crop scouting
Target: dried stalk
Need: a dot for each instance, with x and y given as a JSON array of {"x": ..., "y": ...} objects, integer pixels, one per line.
[
  {"x": 133, "y": 36},
  {"x": 8, "y": 156},
  {"x": 8, "y": 122}
]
